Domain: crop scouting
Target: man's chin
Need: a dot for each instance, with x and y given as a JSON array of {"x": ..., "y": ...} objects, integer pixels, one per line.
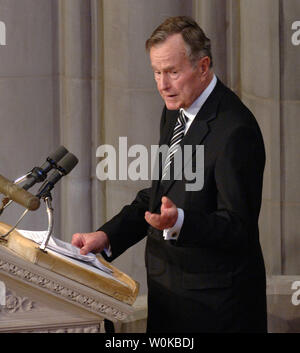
[{"x": 172, "y": 105}]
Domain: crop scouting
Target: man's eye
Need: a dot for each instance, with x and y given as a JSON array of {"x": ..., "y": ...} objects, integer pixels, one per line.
[{"x": 174, "y": 74}]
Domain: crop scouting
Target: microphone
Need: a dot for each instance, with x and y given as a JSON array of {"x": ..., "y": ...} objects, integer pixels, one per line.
[
  {"x": 39, "y": 174},
  {"x": 19, "y": 195},
  {"x": 66, "y": 164}
]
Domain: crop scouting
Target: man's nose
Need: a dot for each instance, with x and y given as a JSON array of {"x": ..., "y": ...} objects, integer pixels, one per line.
[{"x": 164, "y": 81}]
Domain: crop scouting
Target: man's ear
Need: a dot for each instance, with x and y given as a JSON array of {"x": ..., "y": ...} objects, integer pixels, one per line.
[{"x": 204, "y": 64}]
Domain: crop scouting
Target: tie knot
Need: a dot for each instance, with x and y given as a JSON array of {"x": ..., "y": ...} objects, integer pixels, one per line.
[{"x": 182, "y": 118}]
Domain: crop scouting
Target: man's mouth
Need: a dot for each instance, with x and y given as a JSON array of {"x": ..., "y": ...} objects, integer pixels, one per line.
[{"x": 171, "y": 96}]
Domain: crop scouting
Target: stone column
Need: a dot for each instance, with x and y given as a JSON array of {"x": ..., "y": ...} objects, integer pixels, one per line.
[
  {"x": 289, "y": 12},
  {"x": 97, "y": 123},
  {"x": 132, "y": 106},
  {"x": 75, "y": 113},
  {"x": 211, "y": 17},
  {"x": 260, "y": 90},
  {"x": 233, "y": 45}
]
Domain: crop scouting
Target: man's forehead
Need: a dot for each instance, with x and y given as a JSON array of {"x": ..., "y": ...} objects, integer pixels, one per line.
[
  {"x": 167, "y": 56},
  {"x": 173, "y": 43}
]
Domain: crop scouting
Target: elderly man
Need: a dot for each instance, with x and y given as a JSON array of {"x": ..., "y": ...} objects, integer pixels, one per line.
[{"x": 204, "y": 263}]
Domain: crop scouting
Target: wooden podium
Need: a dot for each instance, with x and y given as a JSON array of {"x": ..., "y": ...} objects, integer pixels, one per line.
[{"x": 46, "y": 293}]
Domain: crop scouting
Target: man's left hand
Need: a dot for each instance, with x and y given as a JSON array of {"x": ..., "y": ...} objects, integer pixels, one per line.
[{"x": 167, "y": 217}]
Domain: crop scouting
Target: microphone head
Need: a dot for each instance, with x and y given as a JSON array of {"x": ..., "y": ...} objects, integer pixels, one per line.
[
  {"x": 39, "y": 174},
  {"x": 67, "y": 163},
  {"x": 57, "y": 155}
]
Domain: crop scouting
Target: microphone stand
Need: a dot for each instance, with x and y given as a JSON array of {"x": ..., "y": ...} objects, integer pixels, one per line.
[
  {"x": 15, "y": 226},
  {"x": 48, "y": 201},
  {"x": 6, "y": 204}
]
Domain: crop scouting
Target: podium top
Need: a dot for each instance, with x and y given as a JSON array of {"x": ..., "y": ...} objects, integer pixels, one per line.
[{"x": 119, "y": 285}]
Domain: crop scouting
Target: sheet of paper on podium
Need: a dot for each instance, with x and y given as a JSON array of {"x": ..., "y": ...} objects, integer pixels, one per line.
[
  {"x": 66, "y": 249},
  {"x": 65, "y": 259}
]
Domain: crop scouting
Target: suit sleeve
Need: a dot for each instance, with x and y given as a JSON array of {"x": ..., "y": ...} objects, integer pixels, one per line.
[
  {"x": 238, "y": 178},
  {"x": 129, "y": 226}
]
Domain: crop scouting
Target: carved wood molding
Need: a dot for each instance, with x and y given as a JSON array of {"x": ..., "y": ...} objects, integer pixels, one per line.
[{"x": 69, "y": 294}]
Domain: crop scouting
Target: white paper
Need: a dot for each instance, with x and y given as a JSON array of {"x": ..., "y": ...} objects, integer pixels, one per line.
[{"x": 64, "y": 248}]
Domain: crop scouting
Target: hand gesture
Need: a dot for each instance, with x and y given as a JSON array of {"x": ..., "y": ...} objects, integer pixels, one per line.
[{"x": 167, "y": 217}]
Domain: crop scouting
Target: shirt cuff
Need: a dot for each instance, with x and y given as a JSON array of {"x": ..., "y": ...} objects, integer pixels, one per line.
[
  {"x": 173, "y": 233},
  {"x": 108, "y": 251}
]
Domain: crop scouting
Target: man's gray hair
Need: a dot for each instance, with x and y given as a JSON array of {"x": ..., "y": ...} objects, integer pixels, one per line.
[{"x": 197, "y": 44}]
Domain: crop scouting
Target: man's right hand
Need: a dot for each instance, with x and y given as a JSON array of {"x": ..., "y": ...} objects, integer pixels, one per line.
[{"x": 90, "y": 242}]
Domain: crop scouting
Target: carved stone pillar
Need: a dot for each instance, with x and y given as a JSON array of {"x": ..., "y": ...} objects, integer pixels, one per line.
[
  {"x": 260, "y": 90},
  {"x": 74, "y": 37},
  {"x": 211, "y": 16}
]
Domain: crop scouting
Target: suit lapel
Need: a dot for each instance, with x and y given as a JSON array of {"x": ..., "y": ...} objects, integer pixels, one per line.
[
  {"x": 197, "y": 132},
  {"x": 169, "y": 127}
]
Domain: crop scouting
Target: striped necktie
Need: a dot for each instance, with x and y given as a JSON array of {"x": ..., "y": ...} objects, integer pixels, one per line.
[{"x": 178, "y": 135}]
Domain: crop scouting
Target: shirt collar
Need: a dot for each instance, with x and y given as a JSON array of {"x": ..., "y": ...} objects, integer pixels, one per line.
[{"x": 193, "y": 110}]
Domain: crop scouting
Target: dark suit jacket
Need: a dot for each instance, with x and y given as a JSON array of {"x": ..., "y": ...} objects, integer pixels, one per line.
[{"x": 212, "y": 278}]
